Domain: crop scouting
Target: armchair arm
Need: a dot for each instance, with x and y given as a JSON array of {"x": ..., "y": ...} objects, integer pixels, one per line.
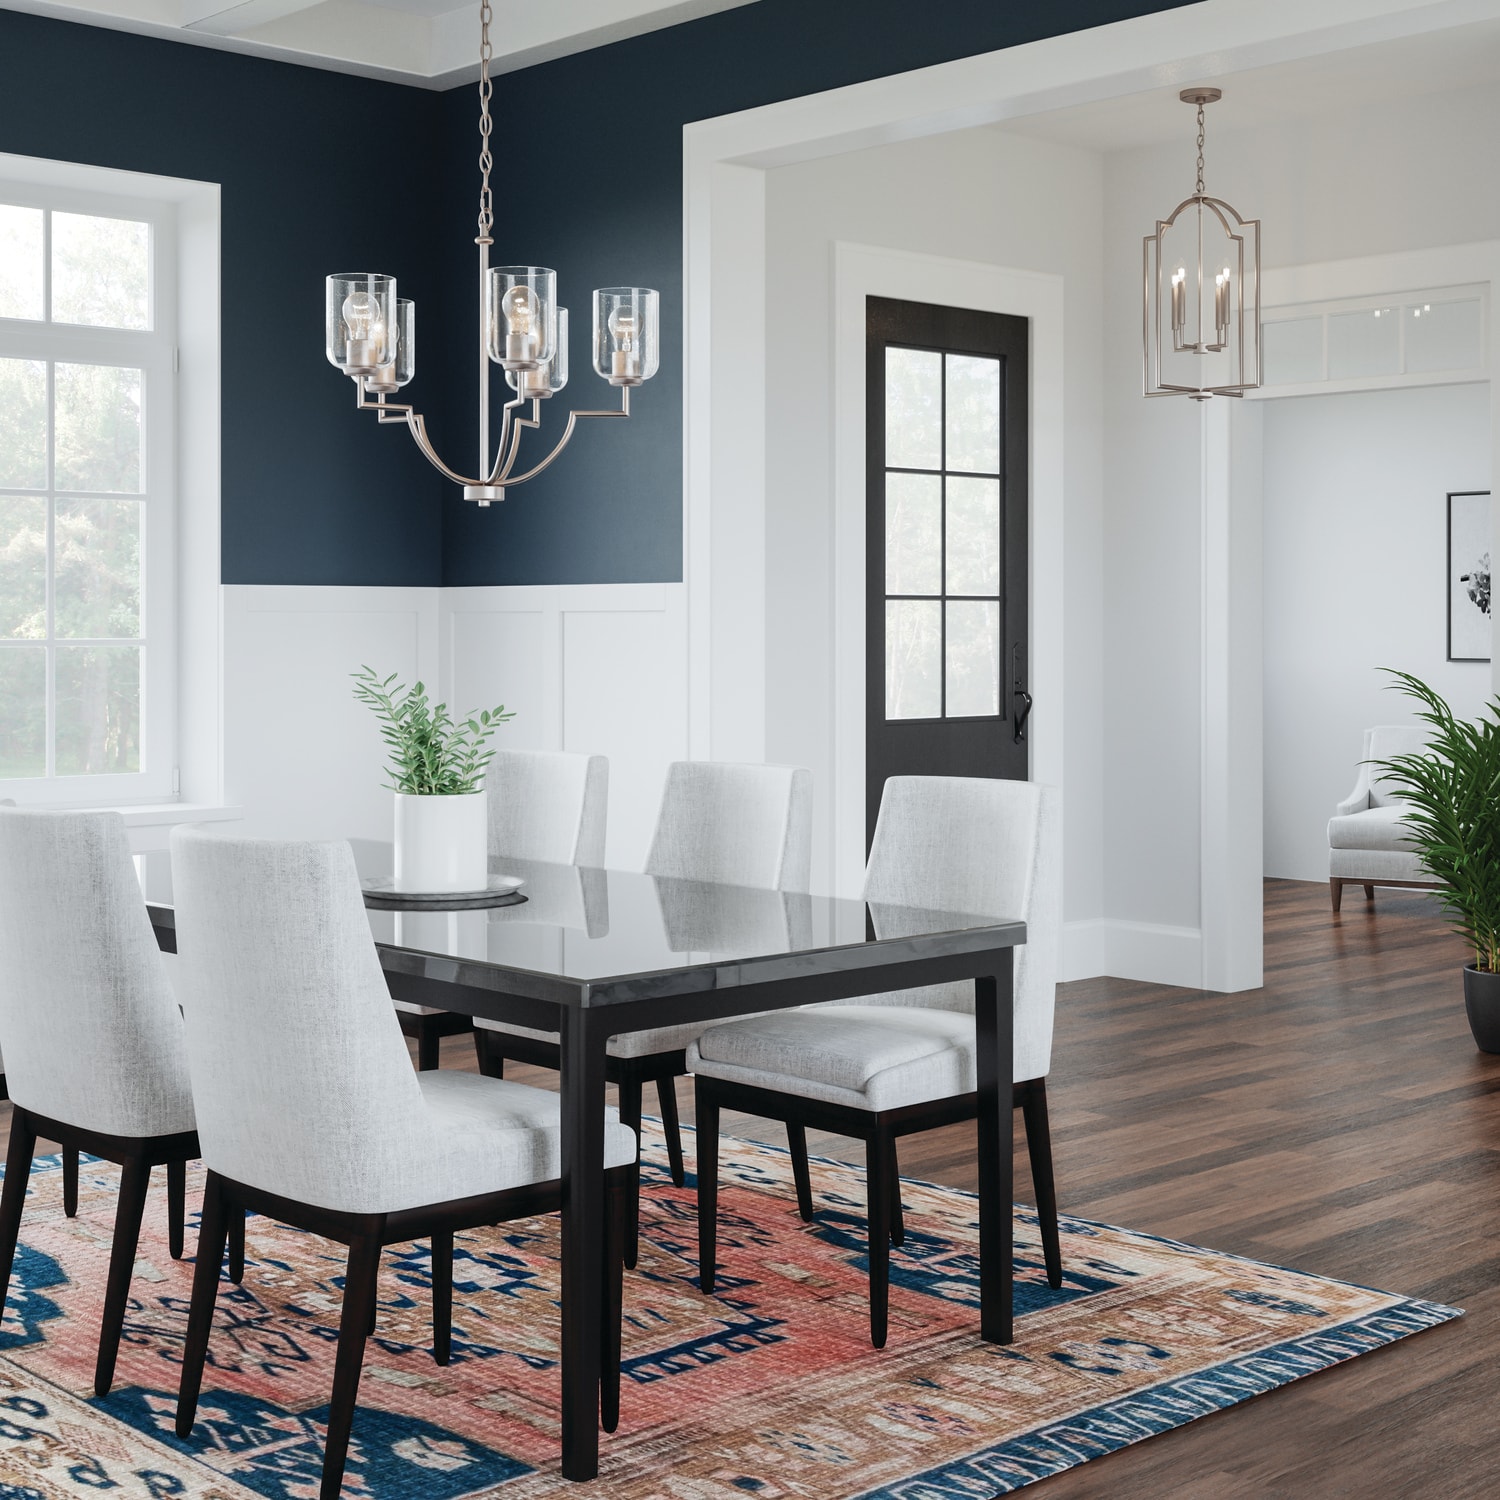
[{"x": 1357, "y": 801}]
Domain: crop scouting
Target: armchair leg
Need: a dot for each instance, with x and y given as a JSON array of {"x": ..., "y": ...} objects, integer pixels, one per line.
[
  {"x": 878, "y": 1154},
  {"x": 1369, "y": 892},
  {"x": 354, "y": 1322},
  {"x": 796, "y": 1140},
  {"x": 666, "y": 1094},
  {"x": 1336, "y": 890},
  {"x": 1039, "y": 1148},
  {"x": 442, "y": 1296},
  {"x": 213, "y": 1230},
  {"x": 70, "y": 1181},
  {"x": 893, "y": 1187},
  {"x": 707, "y": 1111},
  {"x": 487, "y": 1049},
  {"x": 134, "y": 1180},
  {"x": 13, "y": 1198},
  {"x": 176, "y": 1206}
]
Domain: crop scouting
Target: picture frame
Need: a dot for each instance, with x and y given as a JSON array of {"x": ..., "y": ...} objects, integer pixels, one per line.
[{"x": 1469, "y": 540}]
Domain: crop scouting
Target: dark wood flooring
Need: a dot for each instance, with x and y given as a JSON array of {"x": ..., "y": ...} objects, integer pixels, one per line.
[{"x": 1339, "y": 1120}]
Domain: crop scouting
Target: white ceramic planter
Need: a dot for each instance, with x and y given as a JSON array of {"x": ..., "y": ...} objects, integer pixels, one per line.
[{"x": 442, "y": 843}]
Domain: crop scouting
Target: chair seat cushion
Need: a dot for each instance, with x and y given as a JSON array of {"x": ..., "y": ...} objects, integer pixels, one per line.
[
  {"x": 632, "y": 1044},
  {"x": 873, "y": 1057},
  {"x": 1375, "y": 828}
]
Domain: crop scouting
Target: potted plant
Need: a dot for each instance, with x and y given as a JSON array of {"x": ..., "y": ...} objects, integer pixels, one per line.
[
  {"x": 1453, "y": 813},
  {"x": 436, "y": 768}
]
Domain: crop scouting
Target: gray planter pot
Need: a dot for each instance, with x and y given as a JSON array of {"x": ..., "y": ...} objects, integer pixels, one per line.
[{"x": 1482, "y": 1001}]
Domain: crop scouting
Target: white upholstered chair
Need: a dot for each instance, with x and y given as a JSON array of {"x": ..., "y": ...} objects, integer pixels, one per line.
[
  {"x": 721, "y": 822},
  {"x": 94, "y": 1046},
  {"x": 887, "y": 1065},
  {"x": 546, "y": 805},
  {"x": 1367, "y": 843},
  {"x": 309, "y": 1110}
]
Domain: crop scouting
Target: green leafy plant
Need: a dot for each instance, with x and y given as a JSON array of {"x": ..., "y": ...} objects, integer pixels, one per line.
[
  {"x": 432, "y": 754},
  {"x": 1452, "y": 795}
]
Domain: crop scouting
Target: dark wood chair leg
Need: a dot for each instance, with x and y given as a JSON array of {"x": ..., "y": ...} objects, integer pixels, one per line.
[
  {"x": 236, "y": 1240},
  {"x": 1336, "y": 890},
  {"x": 706, "y": 1109},
  {"x": 898, "y": 1214},
  {"x": 1039, "y": 1148},
  {"x": 878, "y": 1198},
  {"x": 13, "y": 1197},
  {"x": 442, "y": 1296},
  {"x": 135, "y": 1178},
  {"x": 176, "y": 1206},
  {"x": 487, "y": 1050},
  {"x": 70, "y": 1181},
  {"x": 666, "y": 1094},
  {"x": 612, "y": 1308},
  {"x": 630, "y": 1114},
  {"x": 358, "y": 1311},
  {"x": 796, "y": 1143},
  {"x": 428, "y": 1042},
  {"x": 1369, "y": 892},
  {"x": 213, "y": 1229}
]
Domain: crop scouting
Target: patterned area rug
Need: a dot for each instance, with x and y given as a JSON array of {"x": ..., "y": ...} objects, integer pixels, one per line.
[{"x": 768, "y": 1390}]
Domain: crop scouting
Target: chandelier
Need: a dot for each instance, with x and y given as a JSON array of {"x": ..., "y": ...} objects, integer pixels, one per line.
[
  {"x": 1201, "y": 273},
  {"x": 371, "y": 337}
]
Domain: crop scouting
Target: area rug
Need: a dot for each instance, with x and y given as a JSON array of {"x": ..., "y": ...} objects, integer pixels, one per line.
[{"x": 769, "y": 1389}]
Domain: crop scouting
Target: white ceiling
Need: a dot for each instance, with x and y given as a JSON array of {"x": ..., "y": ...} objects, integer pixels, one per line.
[
  {"x": 1458, "y": 58},
  {"x": 434, "y": 43}
]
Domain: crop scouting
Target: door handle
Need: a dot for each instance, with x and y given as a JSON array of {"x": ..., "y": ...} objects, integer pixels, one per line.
[{"x": 1017, "y": 692}]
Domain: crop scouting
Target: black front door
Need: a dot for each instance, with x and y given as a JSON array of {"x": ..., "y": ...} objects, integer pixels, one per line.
[{"x": 946, "y": 554}]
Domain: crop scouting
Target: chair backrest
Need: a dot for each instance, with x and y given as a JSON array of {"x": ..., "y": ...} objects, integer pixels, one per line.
[
  {"x": 738, "y": 824},
  {"x": 548, "y": 805},
  {"x": 988, "y": 848},
  {"x": 1381, "y": 743},
  {"x": 303, "y": 1080},
  {"x": 92, "y": 1033}
]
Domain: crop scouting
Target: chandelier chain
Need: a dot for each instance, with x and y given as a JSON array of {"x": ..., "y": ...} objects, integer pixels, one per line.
[
  {"x": 1200, "y": 145},
  {"x": 486, "y": 161}
]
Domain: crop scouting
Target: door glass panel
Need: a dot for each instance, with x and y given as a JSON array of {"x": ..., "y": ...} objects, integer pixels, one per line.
[
  {"x": 23, "y": 567},
  {"x": 23, "y": 424},
  {"x": 973, "y": 413},
  {"x": 913, "y": 659},
  {"x": 913, "y": 409},
  {"x": 98, "y": 428},
  {"x": 913, "y": 534},
  {"x": 973, "y": 536},
  {"x": 21, "y": 262},
  {"x": 101, "y": 271},
  {"x": 97, "y": 569},
  {"x": 23, "y": 711},
  {"x": 98, "y": 710},
  {"x": 973, "y": 665}
]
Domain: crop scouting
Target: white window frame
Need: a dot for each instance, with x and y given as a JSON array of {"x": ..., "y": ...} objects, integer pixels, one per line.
[{"x": 154, "y": 352}]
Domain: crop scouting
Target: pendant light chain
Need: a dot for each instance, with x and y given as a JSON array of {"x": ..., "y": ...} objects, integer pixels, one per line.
[
  {"x": 1200, "y": 146},
  {"x": 486, "y": 161}
]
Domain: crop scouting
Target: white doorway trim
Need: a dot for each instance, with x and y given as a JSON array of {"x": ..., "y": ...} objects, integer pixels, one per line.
[{"x": 862, "y": 271}]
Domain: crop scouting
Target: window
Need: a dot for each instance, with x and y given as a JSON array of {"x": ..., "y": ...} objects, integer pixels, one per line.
[
  {"x": 87, "y": 504},
  {"x": 942, "y": 534}
]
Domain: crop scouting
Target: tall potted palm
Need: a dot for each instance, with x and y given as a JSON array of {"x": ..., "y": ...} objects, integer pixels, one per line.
[
  {"x": 436, "y": 764},
  {"x": 1452, "y": 794}
]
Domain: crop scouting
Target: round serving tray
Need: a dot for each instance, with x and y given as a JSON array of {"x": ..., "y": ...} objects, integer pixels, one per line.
[{"x": 503, "y": 890}]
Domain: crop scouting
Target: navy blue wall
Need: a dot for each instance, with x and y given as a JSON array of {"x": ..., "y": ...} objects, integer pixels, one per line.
[
  {"x": 312, "y": 492},
  {"x": 598, "y": 195}
]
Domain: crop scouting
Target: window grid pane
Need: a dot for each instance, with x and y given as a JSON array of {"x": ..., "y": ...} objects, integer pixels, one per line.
[{"x": 942, "y": 637}]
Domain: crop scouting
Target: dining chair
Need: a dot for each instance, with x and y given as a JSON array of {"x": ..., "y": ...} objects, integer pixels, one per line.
[
  {"x": 309, "y": 1110},
  {"x": 721, "y": 822},
  {"x": 547, "y": 805},
  {"x": 890, "y": 1065},
  {"x": 94, "y": 1049}
]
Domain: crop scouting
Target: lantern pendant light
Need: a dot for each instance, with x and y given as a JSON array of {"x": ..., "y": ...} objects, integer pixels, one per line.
[
  {"x": 371, "y": 337},
  {"x": 1200, "y": 322}
]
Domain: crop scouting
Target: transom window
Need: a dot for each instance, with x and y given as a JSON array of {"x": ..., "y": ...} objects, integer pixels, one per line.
[
  {"x": 86, "y": 503},
  {"x": 942, "y": 535}
]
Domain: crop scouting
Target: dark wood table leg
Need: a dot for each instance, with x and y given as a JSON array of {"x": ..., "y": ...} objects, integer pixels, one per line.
[
  {"x": 583, "y": 1238},
  {"x": 994, "y": 1040}
]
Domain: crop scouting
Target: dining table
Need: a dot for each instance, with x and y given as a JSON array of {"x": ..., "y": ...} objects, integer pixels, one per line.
[{"x": 595, "y": 953}]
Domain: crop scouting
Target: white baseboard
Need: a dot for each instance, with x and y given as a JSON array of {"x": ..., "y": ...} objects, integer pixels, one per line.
[{"x": 1145, "y": 951}]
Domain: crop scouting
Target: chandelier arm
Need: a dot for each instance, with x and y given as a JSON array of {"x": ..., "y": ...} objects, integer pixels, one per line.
[
  {"x": 508, "y": 436},
  {"x": 418, "y": 427},
  {"x": 502, "y": 470},
  {"x": 574, "y": 417}
]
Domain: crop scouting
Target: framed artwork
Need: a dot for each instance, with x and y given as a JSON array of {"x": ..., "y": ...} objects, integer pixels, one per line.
[{"x": 1469, "y": 575}]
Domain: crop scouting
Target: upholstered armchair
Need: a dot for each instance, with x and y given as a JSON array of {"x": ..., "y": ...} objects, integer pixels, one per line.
[{"x": 1367, "y": 842}]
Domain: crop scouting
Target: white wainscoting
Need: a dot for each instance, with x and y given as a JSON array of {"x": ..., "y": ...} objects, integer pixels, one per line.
[{"x": 1149, "y": 951}]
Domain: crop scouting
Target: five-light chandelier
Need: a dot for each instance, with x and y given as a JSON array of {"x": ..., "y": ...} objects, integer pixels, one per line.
[
  {"x": 1202, "y": 273},
  {"x": 371, "y": 337}
]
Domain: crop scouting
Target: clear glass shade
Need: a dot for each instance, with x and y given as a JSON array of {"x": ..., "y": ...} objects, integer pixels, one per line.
[
  {"x": 402, "y": 365},
  {"x": 521, "y": 316},
  {"x": 360, "y": 321},
  {"x": 552, "y": 376},
  {"x": 627, "y": 334}
]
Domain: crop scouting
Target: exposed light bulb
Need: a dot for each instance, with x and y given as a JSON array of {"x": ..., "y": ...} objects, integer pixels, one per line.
[
  {"x": 624, "y": 329},
  {"x": 522, "y": 309},
  {"x": 366, "y": 328}
]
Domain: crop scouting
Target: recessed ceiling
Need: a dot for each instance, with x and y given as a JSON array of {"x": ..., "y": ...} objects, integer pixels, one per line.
[
  {"x": 434, "y": 43},
  {"x": 1437, "y": 61}
]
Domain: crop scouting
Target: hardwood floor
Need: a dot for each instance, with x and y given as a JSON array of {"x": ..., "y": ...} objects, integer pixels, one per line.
[{"x": 1339, "y": 1120}]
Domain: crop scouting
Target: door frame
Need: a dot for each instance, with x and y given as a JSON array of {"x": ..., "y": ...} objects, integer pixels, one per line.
[{"x": 862, "y": 271}]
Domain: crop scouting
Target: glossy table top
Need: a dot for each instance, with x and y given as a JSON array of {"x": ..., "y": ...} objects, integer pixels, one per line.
[{"x": 598, "y": 937}]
